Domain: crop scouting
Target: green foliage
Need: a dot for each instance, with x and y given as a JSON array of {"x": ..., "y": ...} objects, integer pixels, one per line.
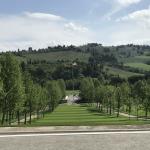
[
  {"x": 87, "y": 89},
  {"x": 12, "y": 86}
]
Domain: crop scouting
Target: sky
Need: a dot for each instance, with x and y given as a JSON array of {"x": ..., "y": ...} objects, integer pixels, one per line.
[{"x": 42, "y": 23}]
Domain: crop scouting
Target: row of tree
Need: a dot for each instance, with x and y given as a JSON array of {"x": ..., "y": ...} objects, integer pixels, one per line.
[
  {"x": 20, "y": 97},
  {"x": 113, "y": 99}
]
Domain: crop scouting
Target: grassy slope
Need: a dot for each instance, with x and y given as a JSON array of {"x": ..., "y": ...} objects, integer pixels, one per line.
[
  {"x": 140, "y": 59},
  {"x": 62, "y": 55},
  {"x": 80, "y": 115},
  {"x": 71, "y": 92},
  {"x": 141, "y": 66},
  {"x": 121, "y": 73}
]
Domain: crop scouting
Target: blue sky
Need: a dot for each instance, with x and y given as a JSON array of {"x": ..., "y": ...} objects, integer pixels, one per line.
[{"x": 38, "y": 23}]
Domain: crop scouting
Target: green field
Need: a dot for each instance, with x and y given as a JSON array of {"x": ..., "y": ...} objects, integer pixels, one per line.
[
  {"x": 140, "y": 66},
  {"x": 121, "y": 73},
  {"x": 71, "y": 115},
  {"x": 137, "y": 59},
  {"x": 138, "y": 62},
  {"x": 61, "y": 55},
  {"x": 71, "y": 92}
]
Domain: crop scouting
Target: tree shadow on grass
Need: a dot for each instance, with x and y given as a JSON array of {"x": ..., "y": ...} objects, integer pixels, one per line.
[{"x": 97, "y": 112}]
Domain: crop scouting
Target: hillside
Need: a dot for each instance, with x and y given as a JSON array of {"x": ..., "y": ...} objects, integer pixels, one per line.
[
  {"x": 124, "y": 60},
  {"x": 58, "y": 56}
]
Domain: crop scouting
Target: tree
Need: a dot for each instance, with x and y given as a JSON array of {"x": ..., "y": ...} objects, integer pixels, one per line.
[
  {"x": 126, "y": 96},
  {"x": 100, "y": 96},
  {"x": 62, "y": 86},
  {"x": 87, "y": 90},
  {"x": 30, "y": 101},
  {"x": 54, "y": 94},
  {"x": 110, "y": 98},
  {"x": 41, "y": 100},
  {"x": 146, "y": 98},
  {"x": 118, "y": 96},
  {"x": 138, "y": 92},
  {"x": 12, "y": 86}
]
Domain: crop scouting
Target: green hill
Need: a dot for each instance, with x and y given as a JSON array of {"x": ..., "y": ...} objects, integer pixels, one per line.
[
  {"x": 121, "y": 73},
  {"x": 58, "y": 56}
]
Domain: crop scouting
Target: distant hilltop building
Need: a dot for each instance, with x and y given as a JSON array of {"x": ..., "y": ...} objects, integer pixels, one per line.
[{"x": 30, "y": 49}]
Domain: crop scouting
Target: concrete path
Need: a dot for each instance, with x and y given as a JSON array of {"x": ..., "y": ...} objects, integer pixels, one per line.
[
  {"x": 22, "y": 120},
  {"x": 64, "y": 129},
  {"x": 137, "y": 140},
  {"x": 127, "y": 115}
]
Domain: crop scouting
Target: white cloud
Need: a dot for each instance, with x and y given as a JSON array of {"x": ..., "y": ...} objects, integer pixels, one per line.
[
  {"x": 132, "y": 28},
  {"x": 118, "y": 5},
  {"x": 128, "y": 2},
  {"x": 74, "y": 27},
  {"x": 141, "y": 17},
  {"x": 44, "y": 16},
  {"x": 40, "y": 30}
]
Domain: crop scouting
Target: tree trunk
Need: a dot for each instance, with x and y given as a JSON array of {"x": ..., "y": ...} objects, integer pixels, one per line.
[
  {"x": 137, "y": 113},
  {"x": 9, "y": 117},
  {"x": 30, "y": 117},
  {"x": 110, "y": 109},
  {"x": 146, "y": 113},
  {"x": 37, "y": 113},
  {"x": 3, "y": 118},
  {"x": 25, "y": 117},
  {"x": 43, "y": 114},
  {"x": 30, "y": 113},
  {"x": 118, "y": 108},
  {"x": 129, "y": 112},
  {"x": 6, "y": 117},
  {"x": 107, "y": 108},
  {"x": 18, "y": 117},
  {"x": 99, "y": 106}
]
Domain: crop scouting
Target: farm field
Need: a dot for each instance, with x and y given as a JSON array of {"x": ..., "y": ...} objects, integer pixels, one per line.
[
  {"x": 140, "y": 66},
  {"x": 61, "y": 55},
  {"x": 137, "y": 59},
  {"x": 121, "y": 73},
  {"x": 77, "y": 115}
]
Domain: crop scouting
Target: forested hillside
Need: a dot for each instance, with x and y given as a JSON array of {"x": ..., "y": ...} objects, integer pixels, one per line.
[{"x": 37, "y": 80}]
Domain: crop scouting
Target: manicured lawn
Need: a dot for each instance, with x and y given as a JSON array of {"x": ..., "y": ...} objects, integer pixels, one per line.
[
  {"x": 141, "y": 112},
  {"x": 137, "y": 59},
  {"x": 71, "y": 115},
  {"x": 121, "y": 73},
  {"x": 71, "y": 92},
  {"x": 140, "y": 66}
]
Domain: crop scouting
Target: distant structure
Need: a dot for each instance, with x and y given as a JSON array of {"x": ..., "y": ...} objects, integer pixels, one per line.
[{"x": 30, "y": 49}]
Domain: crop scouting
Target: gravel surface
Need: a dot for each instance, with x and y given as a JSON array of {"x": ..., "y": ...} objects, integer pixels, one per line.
[{"x": 78, "y": 142}]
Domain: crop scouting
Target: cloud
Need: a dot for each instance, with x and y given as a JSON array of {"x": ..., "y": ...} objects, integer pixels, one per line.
[
  {"x": 132, "y": 28},
  {"x": 44, "y": 16},
  {"x": 74, "y": 27},
  {"x": 128, "y": 2},
  {"x": 141, "y": 17},
  {"x": 118, "y": 5},
  {"x": 40, "y": 30}
]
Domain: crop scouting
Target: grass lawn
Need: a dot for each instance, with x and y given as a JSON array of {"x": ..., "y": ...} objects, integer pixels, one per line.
[
  {"x": 137, "y": 59},
  {"x": 141, "y": 112},
  {"x": 140, "y": 66},
  {"x": 121, "y": 73},
  {"x": 71, "y": 92},
  {"x": 75, "y": 115}
]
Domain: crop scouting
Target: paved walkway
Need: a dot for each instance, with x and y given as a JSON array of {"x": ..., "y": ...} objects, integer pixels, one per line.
[
  {"x": 55, "y": 129},
  {"x": 22, "y": 120},
  {"x": 124, "y": 140},
  {"x": 127, "y": 115}
]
